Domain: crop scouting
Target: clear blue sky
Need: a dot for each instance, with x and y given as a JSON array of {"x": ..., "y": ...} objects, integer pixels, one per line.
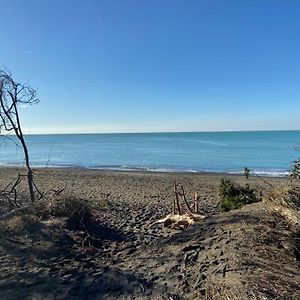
[{"x": 159, "y": 65}]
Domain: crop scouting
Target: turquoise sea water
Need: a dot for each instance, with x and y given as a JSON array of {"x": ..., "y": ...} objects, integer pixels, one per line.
[{"x": 264, "y": 152}]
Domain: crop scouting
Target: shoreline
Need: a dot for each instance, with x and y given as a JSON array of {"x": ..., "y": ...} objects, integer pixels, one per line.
[
  {"x": 147, "y": 171},
  {"x": 106, "y": 185}
]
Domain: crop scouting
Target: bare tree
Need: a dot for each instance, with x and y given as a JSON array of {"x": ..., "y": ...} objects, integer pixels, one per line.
[{"x": 12, "y": 96}]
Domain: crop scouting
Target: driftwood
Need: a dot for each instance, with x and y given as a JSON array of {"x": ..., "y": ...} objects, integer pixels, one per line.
[
  {"x": 57, "y": 192},
  {"x": 20, "y": 209},
  {"x": 10, "y": 195},
  {"x": 179, "y": 192},
  {"x": 179, "y": 220},
  {"x": 13, "y": 212},
  {"x": 10, "y": 198}
]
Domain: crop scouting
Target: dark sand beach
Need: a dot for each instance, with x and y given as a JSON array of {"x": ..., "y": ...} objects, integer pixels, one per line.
[{"x": 242, "y": 254}]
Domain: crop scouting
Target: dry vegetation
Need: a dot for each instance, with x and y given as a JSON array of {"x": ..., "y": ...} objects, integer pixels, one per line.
[{"x": 285, "y": 199}]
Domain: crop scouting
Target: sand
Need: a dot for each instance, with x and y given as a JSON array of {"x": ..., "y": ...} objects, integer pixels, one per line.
[{"x": 242, "y": 254}]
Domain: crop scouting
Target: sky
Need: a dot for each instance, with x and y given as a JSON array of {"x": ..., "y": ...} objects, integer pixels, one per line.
[{"x": 155, "y": 65}]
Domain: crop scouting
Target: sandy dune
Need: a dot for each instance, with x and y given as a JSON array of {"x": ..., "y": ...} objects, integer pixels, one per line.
[{"x": 242, "y": 254}]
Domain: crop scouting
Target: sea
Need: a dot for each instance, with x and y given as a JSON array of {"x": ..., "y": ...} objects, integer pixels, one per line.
[{"x": 265, "y": 153}]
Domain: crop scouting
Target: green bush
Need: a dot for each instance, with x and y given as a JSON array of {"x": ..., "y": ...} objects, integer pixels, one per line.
[
  {"x": 234, "y": 196},
  {"x": 295, "y": 170}
]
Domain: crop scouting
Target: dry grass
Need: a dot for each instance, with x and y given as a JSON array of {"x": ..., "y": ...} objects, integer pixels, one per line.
[
  {"x": 76, "y": 211},
  {"x": 222, "y": 290},
  {"x": 285, "y": 199},
  {"x": 17, "y": 223}
]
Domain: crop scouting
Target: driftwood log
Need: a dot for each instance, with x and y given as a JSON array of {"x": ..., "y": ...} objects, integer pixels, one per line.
[
  {"x": 178, "y": 219},
  {"x": 13, "y": 212}
]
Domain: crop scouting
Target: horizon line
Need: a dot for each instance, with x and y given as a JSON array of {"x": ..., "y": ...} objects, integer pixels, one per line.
[{"x": 152, "y": 132}]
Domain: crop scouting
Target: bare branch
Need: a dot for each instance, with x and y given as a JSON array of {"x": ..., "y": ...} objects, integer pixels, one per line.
[{"x": 12, "y": 95}]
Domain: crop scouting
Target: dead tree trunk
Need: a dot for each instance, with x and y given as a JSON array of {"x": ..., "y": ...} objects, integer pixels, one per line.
[
  {"x": 29, "y": 170},
  {"x": 13, "y": 94},
  {"x": 20, "y": 136}
]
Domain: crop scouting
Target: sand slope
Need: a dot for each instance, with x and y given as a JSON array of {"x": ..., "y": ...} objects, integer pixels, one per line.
[{"x": 249, "y": 253}]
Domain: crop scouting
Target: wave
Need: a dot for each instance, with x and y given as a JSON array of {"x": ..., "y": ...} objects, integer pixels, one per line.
[
  {"x": 265, "y": 173},
  {"x": 255, "y": 172},
  {"x": 134, "y": 168},
  {"x": 199, "y": 141}
]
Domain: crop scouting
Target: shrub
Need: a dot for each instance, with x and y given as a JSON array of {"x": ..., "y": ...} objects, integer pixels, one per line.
[
  {"x": 284, "y": 195},
  {"x": 247, "y": 172},
  {"x": 76, "y": 211},
  {"x": 17, "y": 223},
  {"x": 295, "y": 170},
  {"x": 285, "y": 199},
  {"x": 234, "y": 196}
]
